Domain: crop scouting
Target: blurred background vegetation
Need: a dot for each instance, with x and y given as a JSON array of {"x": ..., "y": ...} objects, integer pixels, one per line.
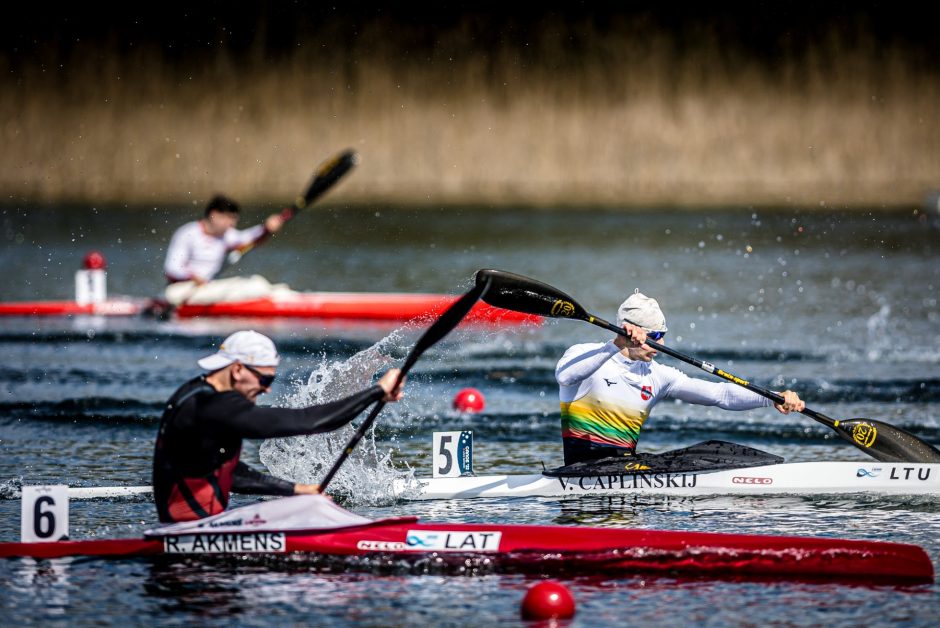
[{"x": 600, "y": 103}]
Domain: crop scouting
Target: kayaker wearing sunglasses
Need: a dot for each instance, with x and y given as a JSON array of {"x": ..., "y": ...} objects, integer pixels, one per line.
[
  {"x": 196, "y": 462},
  {"x": 607, "y": 390}
]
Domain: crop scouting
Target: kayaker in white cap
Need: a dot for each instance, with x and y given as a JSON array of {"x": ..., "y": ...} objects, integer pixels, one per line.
[
  {"x": 196, "y": 462},
  {"x": 607, "y": 390}
]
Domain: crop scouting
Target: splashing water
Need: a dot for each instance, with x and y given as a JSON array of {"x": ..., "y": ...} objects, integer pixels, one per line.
[
  {"x": 879, "y": 340},
  {"x": 10, "y": 489},
  {"x": 368, "y": 477}
]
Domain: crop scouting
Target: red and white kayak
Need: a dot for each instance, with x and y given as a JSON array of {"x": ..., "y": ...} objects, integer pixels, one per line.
[
  {"x": 111, "y": 307},
  {"x": 315, "y": 525},
  {"x": 359, "y": 306}
]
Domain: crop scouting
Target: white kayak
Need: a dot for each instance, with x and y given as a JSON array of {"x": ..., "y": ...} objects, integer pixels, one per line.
[
  {"x": 787, "y": 478},
  {"x": 709, "y": 468}
]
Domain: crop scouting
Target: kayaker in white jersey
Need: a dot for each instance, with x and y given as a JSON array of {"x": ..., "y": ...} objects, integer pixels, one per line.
[
  {"x": 198, "y": 250},
  {"x": 607, "y": 390}
]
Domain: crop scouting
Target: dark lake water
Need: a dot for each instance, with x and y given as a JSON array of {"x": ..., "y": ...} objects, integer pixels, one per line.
[{"x": 841, "y": 307}]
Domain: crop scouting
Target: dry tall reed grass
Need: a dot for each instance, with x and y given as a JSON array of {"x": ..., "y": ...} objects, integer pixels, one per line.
[{"x": 628, "y": 120}]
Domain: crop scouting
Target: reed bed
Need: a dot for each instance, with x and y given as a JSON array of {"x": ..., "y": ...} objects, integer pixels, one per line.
[{"x": 623, "y": 118}]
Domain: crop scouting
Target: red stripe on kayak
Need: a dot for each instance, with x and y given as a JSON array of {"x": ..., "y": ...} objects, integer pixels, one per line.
[
  {"x": 354, "y": 306},
  {"x": 552, "y": 549},
  {"x": 362, "y": 306},
  {"x": 70, "y": 308}
]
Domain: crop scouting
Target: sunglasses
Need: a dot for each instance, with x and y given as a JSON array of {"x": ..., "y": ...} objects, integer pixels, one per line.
[
  {"x": 264, "y": 381},
  {"x": 655, "y": 336}
]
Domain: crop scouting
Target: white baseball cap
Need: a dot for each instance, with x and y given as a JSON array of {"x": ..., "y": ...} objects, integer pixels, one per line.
[
  {"x": 642, "y": 311},
  {"x": 247, "y": 347}
]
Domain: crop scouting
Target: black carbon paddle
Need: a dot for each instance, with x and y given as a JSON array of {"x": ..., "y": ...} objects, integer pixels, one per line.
[
  {"x": 878, "y": 439},
  {"x": 441, "y": 327},
  {"x": 325, "y": 177}
]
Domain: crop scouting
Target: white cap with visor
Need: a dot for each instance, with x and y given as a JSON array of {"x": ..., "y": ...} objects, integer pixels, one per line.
[{"x": 247, "y": 347}]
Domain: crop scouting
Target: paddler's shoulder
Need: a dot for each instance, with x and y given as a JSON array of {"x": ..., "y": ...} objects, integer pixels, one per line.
[
  {"x": 196, "y": 387},
  {"x": 592, "y": 347},
  {"x": 665, "y": 371}
]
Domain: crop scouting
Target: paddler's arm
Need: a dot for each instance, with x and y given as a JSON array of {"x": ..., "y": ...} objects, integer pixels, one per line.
[
  {"x": 232, "y": 413},
  {"x": 236, "y": 239},
  {"x": 581, "y": 361},
  {"x": 273, "y": 223},
  {"x": 726, "y": 395},
  {"x": 250, "y": 481}
]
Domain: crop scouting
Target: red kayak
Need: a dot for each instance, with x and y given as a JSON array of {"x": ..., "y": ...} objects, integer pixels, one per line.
[
  {"x": 111, "y": 307},
  {"x": 360, "y": 306},
  {"x": 315, "y": 525}
]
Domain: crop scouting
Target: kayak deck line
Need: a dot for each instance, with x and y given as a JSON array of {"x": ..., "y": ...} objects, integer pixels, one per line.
[
  {"x": 709, "y": 468},
  {"x": 361, "y": 306},
  {"x": 795, "y": 478},
  {"x": 313, "y": 525},
  {"x": 108, "y": 492}
]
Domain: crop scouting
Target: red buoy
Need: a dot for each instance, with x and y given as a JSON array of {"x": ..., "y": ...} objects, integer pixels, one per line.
[
  {"x": 548, "y": 600},
  {"x": 469, "y": 400},
  {"x": 94, "y": 260}
]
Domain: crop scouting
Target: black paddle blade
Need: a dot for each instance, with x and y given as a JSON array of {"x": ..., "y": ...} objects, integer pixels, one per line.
[
  {"x": 329, "y": 172},
  {"x": 522, "y": 294},
  {"x": 885, "y": 442}
]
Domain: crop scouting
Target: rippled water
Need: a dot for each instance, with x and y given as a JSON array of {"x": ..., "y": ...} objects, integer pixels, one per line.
[{"x": 841, "y": 307}]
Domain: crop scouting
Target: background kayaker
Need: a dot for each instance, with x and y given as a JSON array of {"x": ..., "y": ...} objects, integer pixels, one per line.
[
  {"x": 607, "y": 390},
  {"x": 198, "y": 250},
  {"x": 196, "y": 461}
]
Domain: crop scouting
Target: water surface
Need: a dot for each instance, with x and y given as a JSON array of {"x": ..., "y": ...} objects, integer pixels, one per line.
[{"x": 838, "y": 306}]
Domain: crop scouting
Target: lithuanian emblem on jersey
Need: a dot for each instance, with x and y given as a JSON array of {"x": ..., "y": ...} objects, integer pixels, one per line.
[
  {"x": 646, "y": 393},
  {"x": 864, "y": 434}
]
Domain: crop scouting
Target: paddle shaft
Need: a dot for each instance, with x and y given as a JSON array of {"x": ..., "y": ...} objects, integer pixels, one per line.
[
  {"x": 326, "y": 175},
  {"x": 441, "y": 327},
  {"x": 708, "y": 367},
  {"x": 351, "y": 445},
  {"x": 912, "y": 448}
]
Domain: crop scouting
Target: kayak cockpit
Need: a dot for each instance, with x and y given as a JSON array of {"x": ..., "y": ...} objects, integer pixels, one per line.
[{"x": 712, "y": 455}]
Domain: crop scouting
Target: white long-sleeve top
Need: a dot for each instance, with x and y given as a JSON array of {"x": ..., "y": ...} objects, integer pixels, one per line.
[
  {"x": 605, "y": 397},
  {"x": 194, "y": 253}
]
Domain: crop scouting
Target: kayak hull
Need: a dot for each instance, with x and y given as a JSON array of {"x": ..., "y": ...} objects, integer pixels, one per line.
[
  {"x": 353, "y": 306},
  {"x": 111, "y": 307},
  {"x": 540, "y": 549},
  {"x": 359, "y": 306},
  {"x": 797, "y": 478}
]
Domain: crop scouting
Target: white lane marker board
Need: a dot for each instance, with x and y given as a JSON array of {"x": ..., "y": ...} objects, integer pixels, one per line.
[{"x": 45, "y": 513}]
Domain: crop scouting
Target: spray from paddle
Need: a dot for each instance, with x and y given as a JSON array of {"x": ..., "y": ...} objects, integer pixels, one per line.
[
  {"x": 368, "y": 476},
  {"x": 441, "y": 327}
]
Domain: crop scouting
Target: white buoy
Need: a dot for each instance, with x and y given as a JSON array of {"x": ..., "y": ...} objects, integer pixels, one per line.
[{"x": 91, "y": 282}]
